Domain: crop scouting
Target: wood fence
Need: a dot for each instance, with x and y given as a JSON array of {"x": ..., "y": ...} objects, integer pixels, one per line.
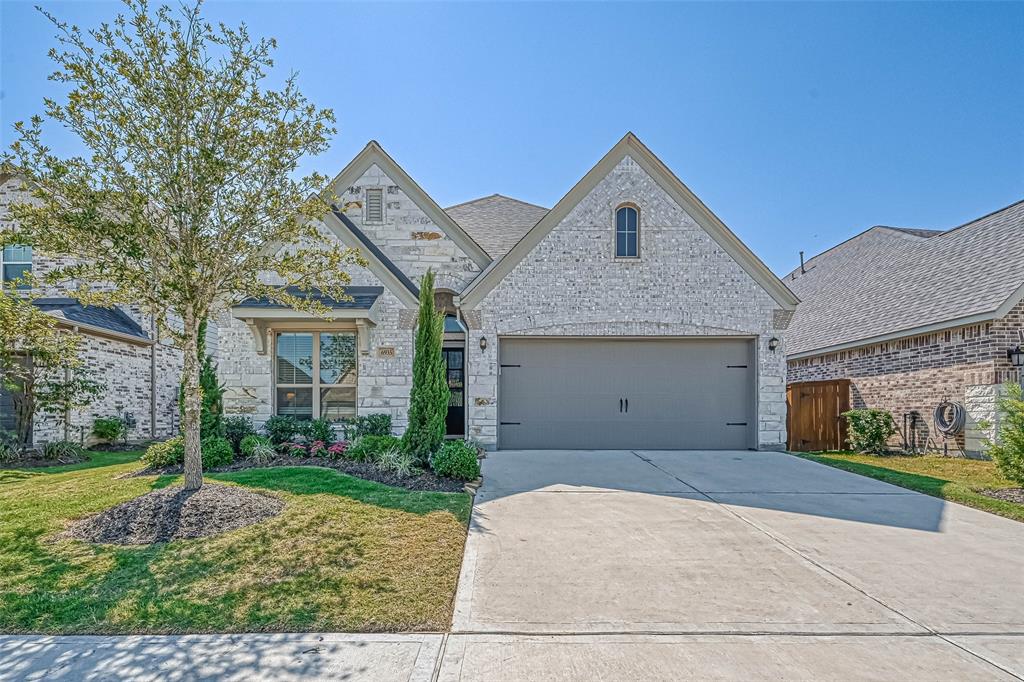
[{"x": 813, "y": 419}]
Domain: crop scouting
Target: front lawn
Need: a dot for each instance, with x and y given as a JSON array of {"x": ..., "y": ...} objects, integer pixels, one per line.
[
  {"x": 344, "y": 555},
  {"x": 950, "y": 478}
]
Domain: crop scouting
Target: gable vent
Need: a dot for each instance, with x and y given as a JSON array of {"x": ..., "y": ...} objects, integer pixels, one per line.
[{"x": 374, "y": 205}]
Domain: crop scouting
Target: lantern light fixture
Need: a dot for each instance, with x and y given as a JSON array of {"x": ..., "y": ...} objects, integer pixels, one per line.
[
  {"x": 773, "y": 344},
  {"x": 483, "y": 343},
  {"x": 1015, "y": 355}
]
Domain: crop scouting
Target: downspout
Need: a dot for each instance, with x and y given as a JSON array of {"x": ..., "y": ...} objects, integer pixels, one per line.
[{"x": 465, "y": 374}]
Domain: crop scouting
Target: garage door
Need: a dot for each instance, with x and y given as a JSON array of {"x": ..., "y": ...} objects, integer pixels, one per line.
[{"x": 626, "y": 393}]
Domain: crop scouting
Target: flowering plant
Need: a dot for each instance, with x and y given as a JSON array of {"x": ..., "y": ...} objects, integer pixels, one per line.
[
  {"x": 295, "y": 449},
  {"x": 317, "y": 449},
  {"x": 337, "y": 450}
]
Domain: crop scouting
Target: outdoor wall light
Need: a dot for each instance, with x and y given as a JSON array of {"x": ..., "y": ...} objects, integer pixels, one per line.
[
  {"x": 773, "y": 343},
  {"x": 483, "y": 343},
  {"x": 1016, "y": 356}
]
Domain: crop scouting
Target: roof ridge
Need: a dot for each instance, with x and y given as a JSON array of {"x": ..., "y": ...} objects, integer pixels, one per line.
[
  {"x": 987, "y": 215},
  {"x": 496, "y": 194}
]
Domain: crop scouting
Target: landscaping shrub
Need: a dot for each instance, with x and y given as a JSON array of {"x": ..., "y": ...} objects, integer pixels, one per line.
[
  {"x": 61, "y": 450},
  {"x": 337, "y": 450},
  {"x": 262, "y": 453},
  {"x": 378, "y": 424},
  {"x": 318, "y": 430},
  {"x": 1008, "y": 451},
  {"x": 292, "y": 449},
  {"x": 251, "y": 442},
  {"x": 456, "y": 459},
  {"x": 236, "y": 429},
  {"x": 317, "y": 449},
  {"x": 428, "y": 400},
  {"x": 8, "y": 446},
  {"x": 217, "y": 452},
  {"x": 109, "y": 429},
  {"x": 368, "y": 448},
  {"x": 869, "y": 429},
  {"x": 395, "y": 460},
  {"x": 281, "y": 428},
  {"x": 166, "y": 454}
]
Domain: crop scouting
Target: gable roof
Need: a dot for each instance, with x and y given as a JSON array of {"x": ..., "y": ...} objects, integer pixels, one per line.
[
  {"x": 373, "y": 154},
  {"x": 93, "y": 318},
  {"x": 496, "y": 222},
  {"x": 376, "y": 260},
  {"x": 887, "y": 283},
  {"x": 631, "y": 146}
]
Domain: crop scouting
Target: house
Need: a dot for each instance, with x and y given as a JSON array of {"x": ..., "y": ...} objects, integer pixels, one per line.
[
  {"x": 912, "y": 318},
  {"x": 139, "y": 372},
  {"x": 626, "y": 316}
]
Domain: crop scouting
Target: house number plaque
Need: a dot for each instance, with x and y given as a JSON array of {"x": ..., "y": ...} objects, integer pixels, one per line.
[{"x": 386, "y": 352}]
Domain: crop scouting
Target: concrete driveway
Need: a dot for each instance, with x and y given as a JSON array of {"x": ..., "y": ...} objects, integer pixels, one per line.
[{"x": 636, "y": 564}]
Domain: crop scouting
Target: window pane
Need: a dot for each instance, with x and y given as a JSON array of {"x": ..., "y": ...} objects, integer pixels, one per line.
[
  {"x": 295, "y": 358},
  {"x": 631, "y": 244},
  {"x": 621, "y": 244},
  {"x": 17, "y": 271},
  {"x": 620, "y": 220},
  {"x": 631, "y": 219},
  {"x": 17, "y": 253},
  {"x": 337, "y": 403},
  {"x": 296, "y": 402},
  {"x": 453, "y": 359},
  {"x": 338, "y": 359}
]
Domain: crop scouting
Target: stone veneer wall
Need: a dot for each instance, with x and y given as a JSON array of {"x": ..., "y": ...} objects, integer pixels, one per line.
[
  {"x": 683, "y": 284},
  {"x": 963, "y": 364}
]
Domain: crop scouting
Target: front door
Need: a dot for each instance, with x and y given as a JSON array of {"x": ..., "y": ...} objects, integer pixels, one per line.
[{"x": 455, "y": 424}]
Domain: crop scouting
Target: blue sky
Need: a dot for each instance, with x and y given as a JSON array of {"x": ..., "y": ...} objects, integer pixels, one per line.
[{"x": 798, "y": 124}]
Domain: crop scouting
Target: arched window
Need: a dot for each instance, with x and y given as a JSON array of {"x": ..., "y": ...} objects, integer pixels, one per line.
[{"x": 627, "y": 222}]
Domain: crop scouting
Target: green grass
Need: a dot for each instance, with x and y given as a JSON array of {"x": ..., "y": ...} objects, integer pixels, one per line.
[
  {"x": 345, "y": 555},
  {"x": 950, "y": 478}
]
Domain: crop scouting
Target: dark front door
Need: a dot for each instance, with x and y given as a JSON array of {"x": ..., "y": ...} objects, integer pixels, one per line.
[{"x": 455, "y": 424}]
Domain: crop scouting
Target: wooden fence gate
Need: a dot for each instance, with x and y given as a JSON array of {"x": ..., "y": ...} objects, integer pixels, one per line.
[{"x": 813, "y": 418}]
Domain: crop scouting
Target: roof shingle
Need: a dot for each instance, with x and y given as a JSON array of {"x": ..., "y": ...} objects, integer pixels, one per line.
[
  {"x": 111, "y": 319},
  {"x": 496, "y": 222}
]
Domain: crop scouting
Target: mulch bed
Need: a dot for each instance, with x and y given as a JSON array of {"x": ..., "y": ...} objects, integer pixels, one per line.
[
  {"x": 177, "y": 514},
  {"x": 1005, "y": 494},
  {"x": 424, "y": 480},
  {"x": 35, "y": 462}
]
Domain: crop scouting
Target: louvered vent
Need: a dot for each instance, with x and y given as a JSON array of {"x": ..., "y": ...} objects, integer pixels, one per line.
[{"x": 374, "y": 206}]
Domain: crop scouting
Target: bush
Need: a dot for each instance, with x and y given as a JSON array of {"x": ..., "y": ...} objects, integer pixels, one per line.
[
  {"x": 456, "y": 459},
  {"x": 109, "y": 429},
  {"x": 368, "y": 448},
  {"x": 428, "y": 399},
  {"x": 8, "y": 446},
  {"x": 869, "y": 430},
  {"x": 317, "y": 449},
  {"x": 337, "y": 450},
  {"x": 251, "y": 442},
  {"x": 217, "y": 452},
  {"x": 318, "y": 430},
  {"x": 292, "y": 449},
  {"x": 167, "y": 454},
  {"x": 1008, "y": 451},
  {"x": 61, "y": 451},
  {"x": 396, "y": 460},
  {"x": 281, "y": 428},
  {"x": 237, "y": 429},
  {"x": 378, "y": 424},
  {"x": 262, "y": 453}
]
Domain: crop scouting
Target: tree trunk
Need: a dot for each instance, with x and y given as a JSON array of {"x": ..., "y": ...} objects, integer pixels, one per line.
[{"x": 192, "y": 408}]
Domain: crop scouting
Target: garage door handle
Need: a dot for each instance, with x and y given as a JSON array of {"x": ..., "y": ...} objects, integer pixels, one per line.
[
  {"x": 627, "y": 405},
  {"x": 620, "y": 405}
]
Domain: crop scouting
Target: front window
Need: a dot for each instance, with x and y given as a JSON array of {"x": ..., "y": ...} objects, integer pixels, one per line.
[
  {"x": 16, "y": 263},
  {"x": 316, "y": 374},
  {"x": 626, "y": 232}
]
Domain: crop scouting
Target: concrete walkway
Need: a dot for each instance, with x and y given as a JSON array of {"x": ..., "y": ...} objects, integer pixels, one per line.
[{"x": 657, "y": 566}]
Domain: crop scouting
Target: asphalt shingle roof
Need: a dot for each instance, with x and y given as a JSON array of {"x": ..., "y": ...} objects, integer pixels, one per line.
[
  {"x": 113, "y": 319},
  {"x": 362, "y": 298},
  {"x": 496, "y": 222},
  {"x": 887, "y": 280}
]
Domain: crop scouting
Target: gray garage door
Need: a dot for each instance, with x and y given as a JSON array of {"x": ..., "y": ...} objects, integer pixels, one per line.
[{"x": 626, "y": 393}]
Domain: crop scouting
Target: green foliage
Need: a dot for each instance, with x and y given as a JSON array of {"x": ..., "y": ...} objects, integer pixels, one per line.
[
  {"x": 869, "y": 429},
  {"x": 62, "y": 451},
  {"x": 368, "y": 448},
  {"x": 236, "y": 429},
  {"x": 217, "y": 452},
  {"x": 251, "y": 442},
  {"x": 456, "y": 459},
  {"x": 211, "y": 404},
  {"x": 395, "y": 460},
  {"x": 1008, "y": 450},
  {"x": 109, "y": 429},
  {"x": 281, "y": 428},
  {"x": 166, "y": 454},
  {"x": 318, "y": 430},
  {"x": 428, "y": 401},
  {"x": 262, "y": 453},
  {"x": 9, "y": 446},
  {"x": 378, "y": 424}
]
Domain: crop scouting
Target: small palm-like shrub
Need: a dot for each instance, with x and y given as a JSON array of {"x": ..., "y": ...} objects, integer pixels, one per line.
[
  {"x": 1008, "y": 451},
  {"x": 262, "y": 453},
  {"x": 9, "y": 451},
  {"x": 166, "y": 454},
  {"x": 869, "y": 430},
  {"x": 395, "y": 460},
  {"x": 281, "y": 428},
  {"x": 217, "y": 452},
  {"x": 236, "y": 429},
  {"x": 61, "y": 451},
  {"x": 250, "y": 443},
  {"x": 109, "y": 429},
  {"x": 368, "y": 448},
  {"x": 456, "y": 459}
]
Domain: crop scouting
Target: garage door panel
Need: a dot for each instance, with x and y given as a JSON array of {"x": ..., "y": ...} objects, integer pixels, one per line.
[{"x": 572, "y": 393}]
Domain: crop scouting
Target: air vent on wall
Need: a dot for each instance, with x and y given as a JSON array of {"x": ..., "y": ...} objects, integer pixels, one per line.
[{"x": 374, "y": 205}]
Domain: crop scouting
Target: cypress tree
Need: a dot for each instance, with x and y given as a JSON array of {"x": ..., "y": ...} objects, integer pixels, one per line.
[{"x": 428, "y": 402}]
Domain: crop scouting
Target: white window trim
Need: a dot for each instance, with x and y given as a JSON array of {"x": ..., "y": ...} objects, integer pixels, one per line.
[
  {"x": 615, "y": 231},
  {"x": 315, "y": 385},
  {"x": 4, "y": 263}
]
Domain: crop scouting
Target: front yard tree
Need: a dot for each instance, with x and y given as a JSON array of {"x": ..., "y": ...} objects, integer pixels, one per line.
[
  {"x": 428, "y": 401},
  {"x": 187, "y": 197}
]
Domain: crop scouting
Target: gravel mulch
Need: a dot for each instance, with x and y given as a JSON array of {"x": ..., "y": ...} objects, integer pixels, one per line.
[
  {"x": 423, "y": 480},
  {"x": 176, "y": 514},
  {"x": 1005, "y": 494}
]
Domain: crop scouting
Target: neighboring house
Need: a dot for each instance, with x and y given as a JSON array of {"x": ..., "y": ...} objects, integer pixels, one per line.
[
  {"x": 913, "y": 318},
  {"x": 626, "y": 316},
  {"x": 139, "y": 374}
]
